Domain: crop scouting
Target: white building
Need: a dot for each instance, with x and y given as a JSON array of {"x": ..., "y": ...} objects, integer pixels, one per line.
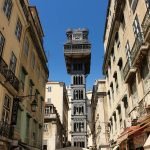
[{"x": 56, "y": 116}]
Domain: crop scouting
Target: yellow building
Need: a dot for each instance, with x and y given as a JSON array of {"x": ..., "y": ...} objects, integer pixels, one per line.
[
  {"x": 127, "y": 70},
  {"x": 23, "y": 72}
]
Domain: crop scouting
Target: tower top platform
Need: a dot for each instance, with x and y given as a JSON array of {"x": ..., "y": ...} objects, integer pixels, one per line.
[{"x": 77, "y": 48}]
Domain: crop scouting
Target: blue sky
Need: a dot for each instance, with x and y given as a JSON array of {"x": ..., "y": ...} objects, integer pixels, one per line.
[{"x": 56, "y": 17}]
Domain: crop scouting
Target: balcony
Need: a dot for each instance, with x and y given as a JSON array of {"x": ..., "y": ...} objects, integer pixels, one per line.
[
  {"x": 77, "y": 50},
  {"x": 3, "y": 67},
  {"x": 8, "y": 74},
  {"x": 24, "y": 8},
  {"x": 146, "y": 26},
  {"x": 128, "y": 71},
  {"x": 13, "y": 80},
  {"x": 50, "y": 116},
  {"x": 139, "y": 50},
  {"x": 5, "y": 129},
  {"x": 144, "y": 107}
]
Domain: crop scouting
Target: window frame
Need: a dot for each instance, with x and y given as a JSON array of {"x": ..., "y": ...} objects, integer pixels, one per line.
[
  {"x": 2, "y": 43},
  {"x": 13, "y": 62},
  {"x": 7, "y": 8},
  {"x": 18, "y": 29}
]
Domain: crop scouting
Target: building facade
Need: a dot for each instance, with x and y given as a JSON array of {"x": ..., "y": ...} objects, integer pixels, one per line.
[
  {"x": 57, "y": 127},
  {"x": 99, "y": 113},
  {"x": 127, "y": 70},
  {"x": 53, "y": 129},
  {"x": 77, "y": 56},
  {"x": 23, "y": 72}
]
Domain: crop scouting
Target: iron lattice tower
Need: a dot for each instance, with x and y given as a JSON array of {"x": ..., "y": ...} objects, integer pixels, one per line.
[{"x": 77, "y": 52}]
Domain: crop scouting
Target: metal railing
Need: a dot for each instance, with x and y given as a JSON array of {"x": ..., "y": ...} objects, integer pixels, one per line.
[
  {"x": 144, "y": 105},
  {"x": 50, "y": 116},
  {"x": 5, "y": 129},
  {"x": 136, "y": 46},
  {"x": 13, "y": 80},
  {"x": 126, "y": 69},
  {"x": 146, "y": 22},
  {"x": 24, "y": 8},
  {"x": 8, "y": 74},
  {"x": 134, "y": 51},
  {"x": 3, "y": 67}
]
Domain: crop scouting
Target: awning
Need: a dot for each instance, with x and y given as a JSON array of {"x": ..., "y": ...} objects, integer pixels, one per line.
[
  {"x": 116, "y": 147},
  {"x": 124, "y": 135},
  {"x": 147, "y": 143}
]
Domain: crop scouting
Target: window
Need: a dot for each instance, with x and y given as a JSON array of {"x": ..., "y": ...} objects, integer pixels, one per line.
[
  {"x": 33, "y": 60},
  {"x": 30, "y": 87},
  {"x": 19, "y": 119},
  {"x": 112, "y": 90},
  {"x": 116, "y": 80},
  {"x": 27, "y": 125},
  {"x": 18, "y": 30},
  {"x": 2, "y": 41},
  {"x": 78, "y": 110},
  {"x": 41, "y": 104},
  {"x": 45, "y": 127},
  {"x": 49, "y": 110},
  {"x": 26, "y": 46},
  {"x": 12, "y": 65},
  {"x": 147, "y": 3},
  {"x": 23, "y": 74},
  {"x": 125, "y": 100},
  {"x": 123, "y": 23},
  {"x": 6, "y": 109},
  {"x": 78, "y": 80},
  {"x": 145, "y": 74},
  {"x": 78, "y": 126},
  {"x": 137, "y": 29},
  {"x": 49, "y": 89},
  {"x": 120, "y": 64},
  {"x": 133, "y": 4},
  {"x": 113, "y": 54},
  {"x": 133, "y": 90},
  {"x": 78, "y": 94},
  {"x": 109, "y": 97},
  {"x": 49, "y": 100},
  {"x": 7, "y": 8},
  {"x": 128, "y": 52},
  {"x": 78, "y": 67}
]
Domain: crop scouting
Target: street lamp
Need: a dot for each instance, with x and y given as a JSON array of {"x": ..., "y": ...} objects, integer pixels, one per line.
[
  {"x": 99, "y": 128},
  {"x": 34, "y": 105},
  {"x": 34, "y": 102}
]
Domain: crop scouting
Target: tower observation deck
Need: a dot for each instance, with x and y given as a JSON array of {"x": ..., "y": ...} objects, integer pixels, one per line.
[{"x": 77, "y": 53}]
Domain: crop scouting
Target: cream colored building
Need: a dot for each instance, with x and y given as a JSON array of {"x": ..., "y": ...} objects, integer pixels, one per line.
[
  {"x": 56, "y": 95},
  {"x": 53, "y": 129},
  {"x": 89, "y": 120},
  {"x": 69, "y": 113},
  {"x": 99, "y": 113},
  {"x": 127, "y": 70},
  {"x": 23, "y": 72}
]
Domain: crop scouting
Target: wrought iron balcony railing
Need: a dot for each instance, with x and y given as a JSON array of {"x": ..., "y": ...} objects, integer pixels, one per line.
[
  {"x": 5, "y": 129},
  {"x": 146, "y": 22},
  {"x": 13, "y": 80},
  {"x": 24, "y": 8},
  {"x": 126, "y": 70},
  {"x": 136, "y": 46},
  {"x": 3, "y": 67},
  {"x": 8, "y": 74},
  {"x": 144, "y": 106},
  {"x": 50, "y": 116}
]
